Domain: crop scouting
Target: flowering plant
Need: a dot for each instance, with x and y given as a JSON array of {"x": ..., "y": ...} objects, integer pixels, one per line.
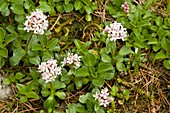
[
  {"x": 36, "y": 22},
  {"x": 49, "y": 70},
  {"x": 71, "y": 59},
  {"x": 103, "y": 97},
  {"x": 116, "y": 31},
  {"x": 125, "y": 7}
]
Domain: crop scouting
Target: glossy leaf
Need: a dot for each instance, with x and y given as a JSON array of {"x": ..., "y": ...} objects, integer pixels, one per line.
[
  {"x": 3, "y": 52},
  {"x": 106, "y": 58},
  {"x": 49, "y": 102},
  {"x": 103, "y": 67},
  {"x": 78, "y": 4},
  {"x": 166, "y": 64},
  {"x": 18, "y": 54},
  {"x": 2, "y": 35},
  {"x": 120, "y": 66},
  {"x": 165, "y": 43},
  {"x": 124, "y": 50},
  {"x": 68, "y": 7},
  {"x": 82, "y": 72},
  {"x": 89, "y": 59},
  {"x": 17, "y": 8},
  {"x": 44, "y": 7},
  {"x": 60, "y": 94}
]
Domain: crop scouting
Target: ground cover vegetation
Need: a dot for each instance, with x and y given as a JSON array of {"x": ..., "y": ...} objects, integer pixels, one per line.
[{"x": 85, "y": 56}]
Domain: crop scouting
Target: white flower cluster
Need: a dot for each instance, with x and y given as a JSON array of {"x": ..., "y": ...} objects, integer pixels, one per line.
[
  {"x": 49, "y": 70},
  {"x": 71, "y": 59},
  {"x": 116, "y": 31},
  {"x": 103, "y": 97},
  {"x": 36, "y": 22},
  {"x": 125, "y": 7}
]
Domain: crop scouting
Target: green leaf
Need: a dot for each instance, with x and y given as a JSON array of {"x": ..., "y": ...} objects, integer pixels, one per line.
[
  {"x": 43, "y": 39},
  {"x": 120, "y": 66},
  {"x": 165, "y": 43},
  {"x": 19, "y": 75},
  {"x": 44, "y": 7},
  {"x": 78, "y": 82},
  {"x": 17, "y": 56},
  {"x": 49, "y": 102},
  {"x": 160, "y": 55},
  {"x": 106, "y": 58},
  {"x": 148, "y": 4},
  {"x": 23, "y": 99},
  {"x": 103, "y": 67},
  {"x": 89, "y": 59},
  {"x": 83, "y": 98},
  {"x": 32, "y": 42},
  {"x": 98, "y": 81},
  {"x": 82, "y": 72},
  {"x": 60, "y": 8},
  {"x": 87, "y": 9},
  {"x": 35, "y": 60},
  {"x": 77, "y": 44},
  {"x": 34, "y": 74},
  {"x": 58, "y": 85},
  {"x": 2, "y": 34},
  {"x": 20, "y": 18},
  {"x": 153, "y": 41},
  {"x": 3, "y": 52},
  {"x": 168, "y": 7},
  {"x": 29, "y": 4},
  {"x": 52, "y": 43},
  {"x": 11, "y": 29},
  {"x": 66, "y": 1},
  {"x": 156, "y": 47},
  {"x": 6, "y": 12},
  {"x": 17, "y": 8},
  {"x": 166, "y": 64},
  {"x": 60, "y": 94},
  {"x": 32, "y": 94},
  {"x": 6, "y": 81},
  {"x": 38, "y": 47},
  {"x": 108, "y": 75},
  {"x": 78, "y": 4},
  {"x": 2, "y": 61},
  {"x": 45, "y": 92},
  {"x": 118, "y": 3},
  {"x": 20, "y": 87},
  {"x": 126, "y": 94},
  {"x": 162, "y": 32},
  {"x": 114, "y": 90},
  {"x": 3, "y": 6},
  {"x": 68, "y": 7},
  {"x": 124, "y": 50},
  {"x": 88, "y": 17},
  {"x": 71, "y": 108},
  {"x": 159, "y": 21}
]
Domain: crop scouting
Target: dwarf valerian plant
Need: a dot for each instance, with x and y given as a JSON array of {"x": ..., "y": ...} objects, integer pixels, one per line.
[
  {"x": 71, "y": 59},
  {"x": 103, "y": 97},
  {"x": 125, "y": 7},
  {"x": 36, "y": 22},
  {"x": 49, "y": 70},
  {"x": 116, "y": 31}
]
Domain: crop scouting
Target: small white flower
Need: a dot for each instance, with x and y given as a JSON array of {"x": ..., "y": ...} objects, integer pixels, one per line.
[
  {"x": 103, "y": 97},
  {"x": 71, "y": 59},
  {"x": 49, "y": 70},
  {"x": 116, "y": 31},
  {"x": 36, "y": 22}
]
